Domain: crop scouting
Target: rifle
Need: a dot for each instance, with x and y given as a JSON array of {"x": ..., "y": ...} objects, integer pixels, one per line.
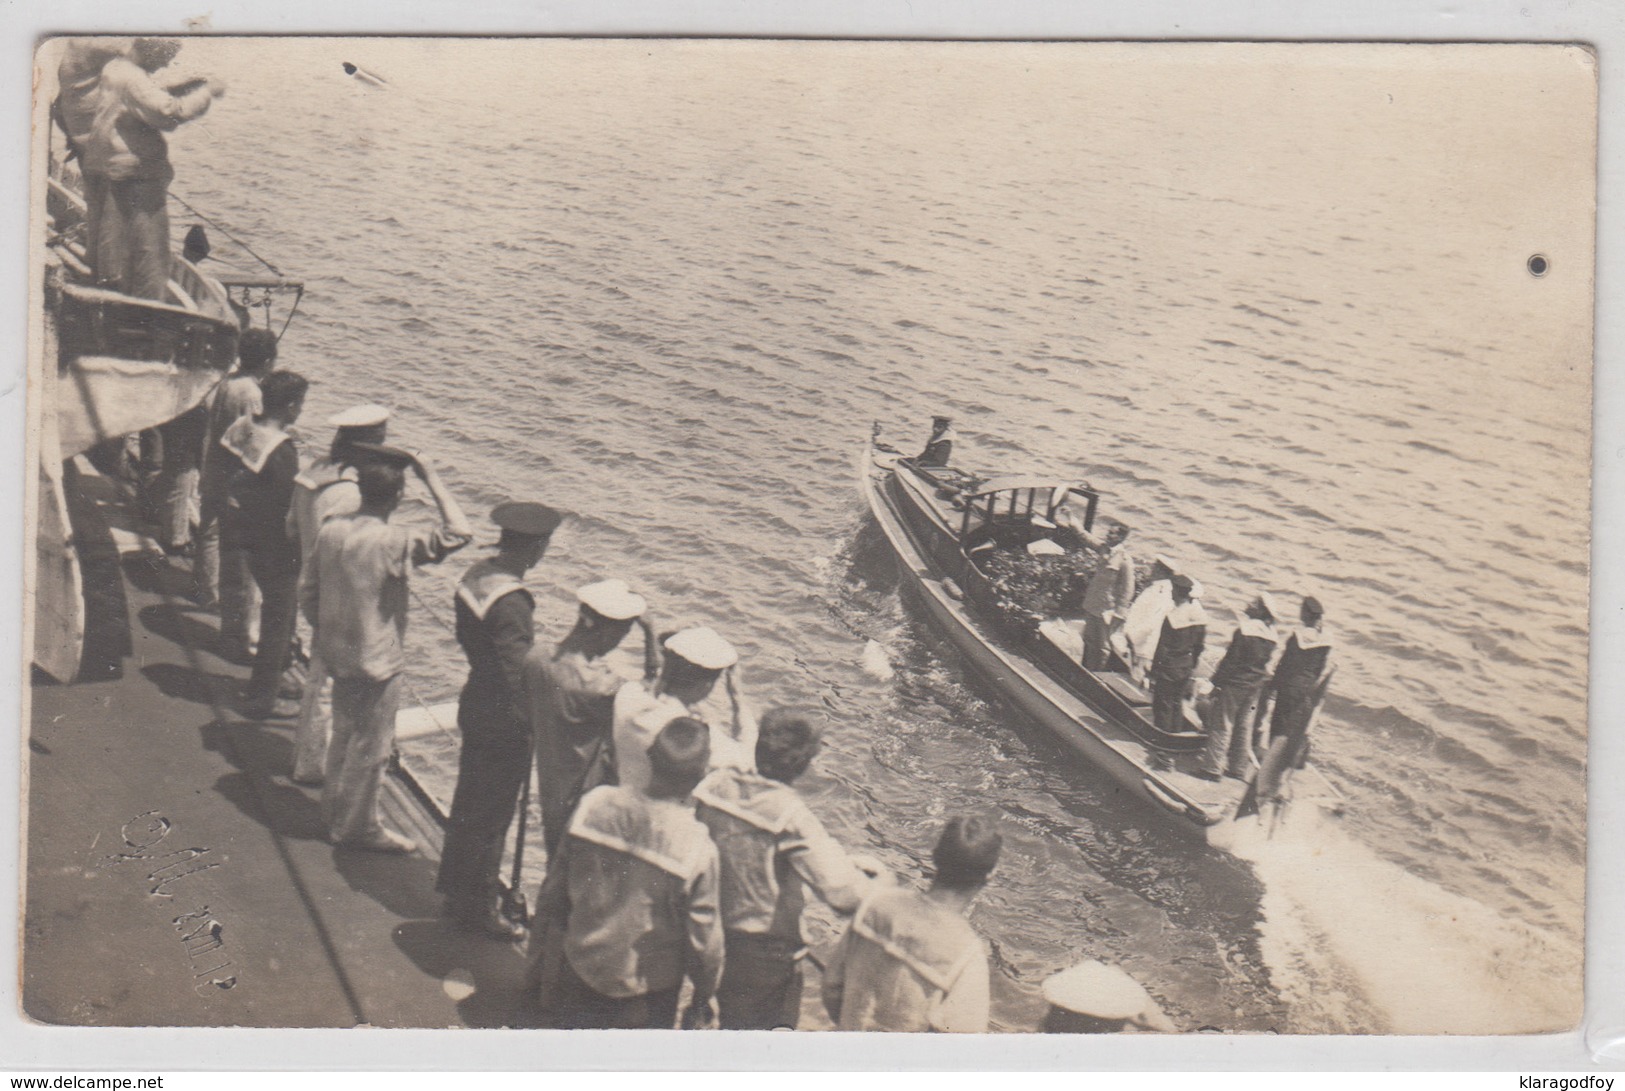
[{"x": 514, "y": 906}]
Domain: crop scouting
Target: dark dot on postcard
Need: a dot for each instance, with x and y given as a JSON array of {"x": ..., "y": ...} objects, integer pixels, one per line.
[{"x": 1538, "y": 265}]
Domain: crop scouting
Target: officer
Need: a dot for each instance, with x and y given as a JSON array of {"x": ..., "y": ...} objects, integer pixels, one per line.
[
  {"x": 327, "y": 489},
  {"x": 495, "y": 628}
]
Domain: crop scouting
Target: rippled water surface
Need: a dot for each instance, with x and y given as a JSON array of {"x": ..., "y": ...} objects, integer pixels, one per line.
[{"x": 1273, "y": 304}]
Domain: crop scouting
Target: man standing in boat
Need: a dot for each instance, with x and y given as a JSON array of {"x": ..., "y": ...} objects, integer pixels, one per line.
[
  {"x": 327, "y": 489},
  {"x": 1142, "y": 625},
  {"x": 266, "y": 460},
  {"x": 695, "y": 660},
  {"x": 909, "y": 960},
  {"x": 355, "y": 601},
  {"x": 1237, "y": 681},
  {"x": 129, "y": 226},
  {"x": 1107, "y": 597},
  {"x": 940, "y": 447},
  {"x": 571, "y": 691},
  {"x": 495, "y": 627},
  {"x": 1299, "y": 687},
  {"x": 1179, "y": 647}
]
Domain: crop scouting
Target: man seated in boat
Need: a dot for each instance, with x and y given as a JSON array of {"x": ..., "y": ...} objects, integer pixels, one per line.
[{"x": 939, "y": 448}]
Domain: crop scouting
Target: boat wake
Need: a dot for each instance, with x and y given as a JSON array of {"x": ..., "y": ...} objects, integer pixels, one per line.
[{"x": 1356, "y": 944}]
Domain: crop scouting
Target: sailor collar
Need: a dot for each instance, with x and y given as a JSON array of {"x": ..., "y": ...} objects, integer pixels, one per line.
[
  {"x": 483, "y": 584},
  {"x": 1308, "y": 639},
  {"x": 1252, "y": 626},
  {"x": 252, "y": 441},
  {"x": 1187, "y": 614},
  {"x": 324, "y": 472}
]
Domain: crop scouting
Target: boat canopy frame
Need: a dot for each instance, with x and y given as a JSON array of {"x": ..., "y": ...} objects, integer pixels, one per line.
[{"x": 1023, "y": 493}]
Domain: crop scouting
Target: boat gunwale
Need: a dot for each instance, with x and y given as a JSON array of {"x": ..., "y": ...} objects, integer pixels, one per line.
[{"x": 1131, "y": 772}]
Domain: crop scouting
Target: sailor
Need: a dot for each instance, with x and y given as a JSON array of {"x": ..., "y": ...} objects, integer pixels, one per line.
[
  {"x": 1094, "y": 998},
  {"x": 1237, "y": 680},
  {"x": 571, "y": 693},
  {"x": 255, "y": 521},
  {"x": 1299, "y": 687},
  {"x": 496, "y": 629},
  {"x": 1106, "y": 597},
  {"x": 129, "y": 227},
  {"x": 79, "y": 80},
  {"x": 696, "y": 659},
  {"x": 324, "y": 490},
  {"x": 939, "y": 448},
  {"x": 638, "y": 888},
  {"x": 909, "y": 961},
  {"x": 355, "y": 598},
  {"x": 238, "y": 395},
  {"x": 1179, "y": 647},
  {"x": 1142, "y": 625},
  {"x": 773, "y": 849}
]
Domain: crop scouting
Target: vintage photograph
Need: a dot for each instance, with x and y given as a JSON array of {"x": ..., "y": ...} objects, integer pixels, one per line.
[{"x": 1025, "y": 537}]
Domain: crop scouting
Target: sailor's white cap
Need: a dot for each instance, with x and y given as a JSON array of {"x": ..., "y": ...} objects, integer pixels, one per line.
[
  {"x": 1166, "y": 562},
  {"x": 1268, "y": 601},
  {"x": 703, "y": 648},
  {"x": 360, "y": 416},
  {"x": 1096, "y": 989},
  {"x": 612, "y": 599}
]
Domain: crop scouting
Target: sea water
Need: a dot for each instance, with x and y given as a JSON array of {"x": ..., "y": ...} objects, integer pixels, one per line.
[{"x": 1274, "y": 305}]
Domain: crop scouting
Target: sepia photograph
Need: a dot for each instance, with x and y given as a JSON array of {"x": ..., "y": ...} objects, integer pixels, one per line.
[{"x": 984, "y": 537}]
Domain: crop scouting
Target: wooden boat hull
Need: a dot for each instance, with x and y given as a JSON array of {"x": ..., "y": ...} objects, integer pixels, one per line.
[{"x": 1189, "y": 804}]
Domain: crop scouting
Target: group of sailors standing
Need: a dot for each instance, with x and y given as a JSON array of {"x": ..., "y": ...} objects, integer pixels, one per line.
[
  {"x": 678, "y": 847},
  {"x": 1161, "y": 633}
]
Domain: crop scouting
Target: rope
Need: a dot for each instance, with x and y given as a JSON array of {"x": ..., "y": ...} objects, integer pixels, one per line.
[{"x": 224, "y": 231}]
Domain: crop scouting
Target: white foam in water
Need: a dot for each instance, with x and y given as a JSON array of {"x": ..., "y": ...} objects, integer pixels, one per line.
[
  {"x": 876, "y": 663},
  {"x": 1354, "y": 941}
]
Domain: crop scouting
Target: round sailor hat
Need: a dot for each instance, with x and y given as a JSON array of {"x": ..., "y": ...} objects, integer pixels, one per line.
[
  {"x": 1098, "y": 990},
  {"x": 527, "y": 518},
  {"x": 612, "y": 599},
  {"x": 360, "y": 416},
  {"x": 703, "y": 648},
  {"x": 1270, "y": 605},
  {"x": 400, "y": 456},
  {"x": 1167, "y": 562}
]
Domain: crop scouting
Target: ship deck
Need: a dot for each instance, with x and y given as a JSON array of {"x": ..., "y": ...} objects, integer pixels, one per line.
[{"x": 177, "y": 877}]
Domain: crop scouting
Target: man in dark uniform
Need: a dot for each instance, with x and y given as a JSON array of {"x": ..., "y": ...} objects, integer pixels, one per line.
[
  {"x": 494, "y": 626},
  {"x": 940, "y": 447},
  {"x": 264, "y": 463},
  {"x": 1237, "y": 680},
  {"x": 1299, "y": 686},
  {"x": 1179, "y": 647}
]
